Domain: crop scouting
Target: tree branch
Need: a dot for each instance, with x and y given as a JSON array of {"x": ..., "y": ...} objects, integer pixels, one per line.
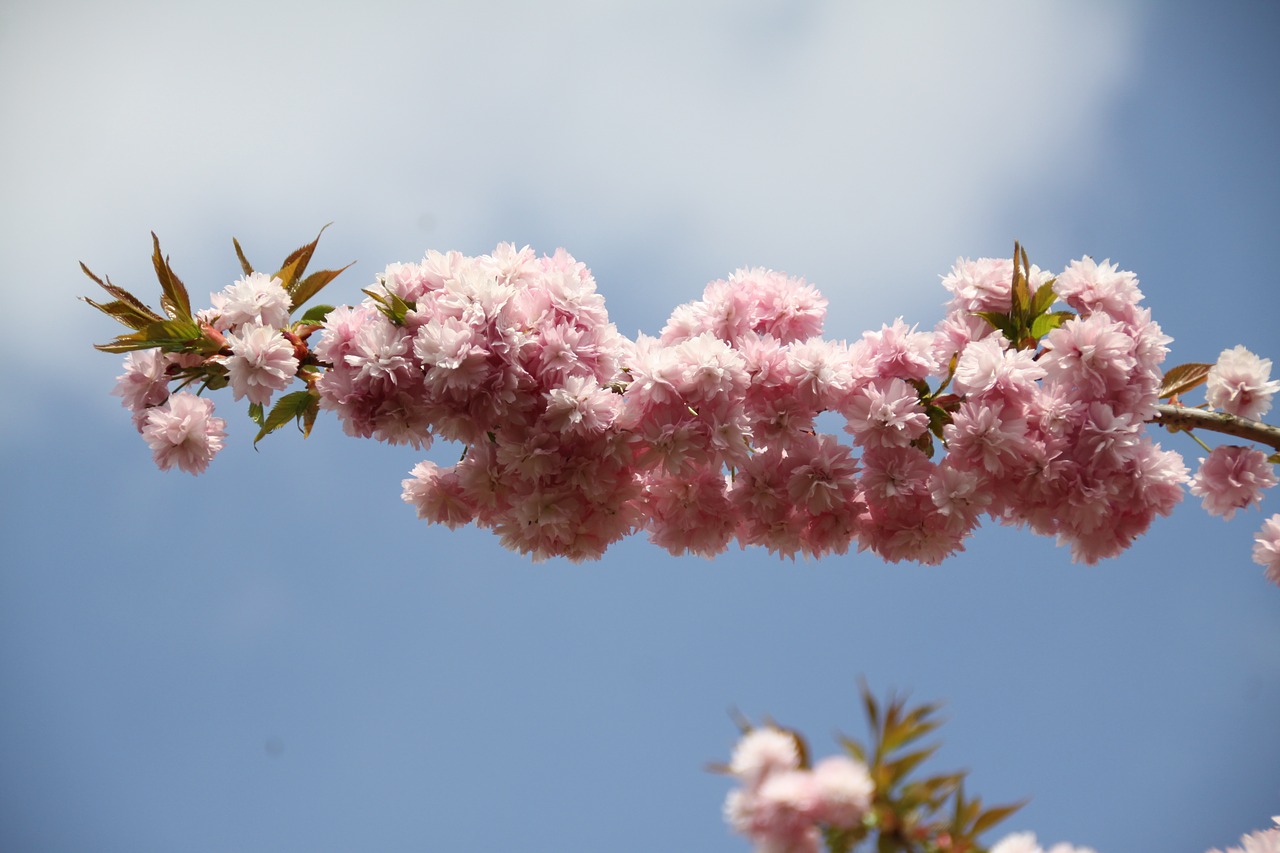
[{"x": 1177, "y": 418}]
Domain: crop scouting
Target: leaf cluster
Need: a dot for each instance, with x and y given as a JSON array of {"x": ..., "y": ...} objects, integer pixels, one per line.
[
  {"x": 1029, "y": 318},
  {"x": 301, "y": 407},
  {"x": 174, "y": 331},
  {"x": 913, "y": 815},
  {"x": 177, "y": 330},
  {"x": 1183, "y": 378},
  {"x": 938, "y": 408}
]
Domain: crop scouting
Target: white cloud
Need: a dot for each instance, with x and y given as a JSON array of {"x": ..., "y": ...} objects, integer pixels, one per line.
[{"x": 855, "y": 144}]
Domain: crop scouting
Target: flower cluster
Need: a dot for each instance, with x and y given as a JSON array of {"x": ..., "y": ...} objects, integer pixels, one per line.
[
  {"x": 576, "y": 436},
  {"x": 783, "y": 807},
  {"x": 255, "y": 358}
]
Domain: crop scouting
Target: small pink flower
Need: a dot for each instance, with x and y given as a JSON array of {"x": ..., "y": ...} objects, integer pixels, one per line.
[
  {"x": 844, "y": 791},
  {"x": 1092, "y": 355},
  {"x": 984, "y": 284},
  {"x": 262, "y": 362},
  {"x": 144, "y": 382},
  {"x": 885, "y": 413},
  {"x": 690, "y": 513},
  {"x": 438, "y": 495},
  {"x": 1232, "y": 478},
  {"x": 1266, "y": 550},
  {"x": 581, "y": 404},
  {"x": 257, "y": 297},
  {"x": 1088, "y": 286},
  {"x": 1238, "y": 384},
  {"x": 380, "y": 350},
  {"x": 183, "y": 432},
  {"x": 761, "y": 752},
  {"x": 990, "y": 368}
]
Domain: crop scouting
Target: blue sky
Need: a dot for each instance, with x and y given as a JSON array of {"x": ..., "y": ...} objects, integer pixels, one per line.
[{"x": 278, "y": 656}]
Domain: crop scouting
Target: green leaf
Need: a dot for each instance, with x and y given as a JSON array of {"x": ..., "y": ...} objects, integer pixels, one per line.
[
  {"x": 287, "y": 274},
  {"x": 169, "y": 335},
  {"x": 125, "y": 312},
  {"x": 298, "y": 260},
  {"x": 309, "y": 416},
  {"x": 900, "y": 767},
  {"x": 91, "y": 275},
  {"x": 938, "y": 419},
  {"x": 1184, "y": 377},
  {"x": 1044, "y": 297},
  {"x": 312, "y": 284},
  {"x": 1274, "y": 458},
  {"x": 841, "y": 840},
  {"x": 244, "y": 262},
  {"x": 869, "y": 703},
  {"x": 289, "y": 407},
  {"x": 854, "y": 748},
  {"x": 1044, "y": 324},
  {"x": 393, "y": 307},
  {"x": 1021, "y": 304},
  {"x": 1003, "y": 322},
  {"x": 173, "y": 297},
  {"x": 315, "y": 314},
  {"x": 256, "y": 413},
  {"x": 994, "y": 815},
  {"x": 127, "y": 308},
  {"x": 909, "y": 729}
]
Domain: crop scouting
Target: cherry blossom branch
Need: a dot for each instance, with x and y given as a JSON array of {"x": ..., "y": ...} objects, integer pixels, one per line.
[
  {"x": 1182, "y": 418},
  {"x": 1024, "y": 404}
]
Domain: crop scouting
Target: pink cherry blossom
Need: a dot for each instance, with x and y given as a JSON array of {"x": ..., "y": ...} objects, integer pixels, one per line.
[
  {"x": 438, "y": 495},
  {"x": 380, "y": 350},
  {"x": 1266, "y": 549},
  {"x": 1232, "y": 478},
  {"x": 1089, "y": 287},
  {"x": 844, "y": 791},
  {"x": 1238, "y": 384},
  {"x": 262, "y": 362},
  {"x": 762, "y": 751},
  {"x": 256, "y": 297},
  {"x": 144, "y": 382},
  {"x": 691, "y": 513},
  {"x": 885, "y": 413},
  {"x": 1092, "y": 355},
  {"x": 183, "y": 432},
  {"x": 992, "y": 369},
  {"x": 983, "y": 285}
]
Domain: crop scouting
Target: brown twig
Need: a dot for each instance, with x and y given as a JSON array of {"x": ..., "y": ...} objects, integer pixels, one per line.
[{"x": 1176, "y": 418}]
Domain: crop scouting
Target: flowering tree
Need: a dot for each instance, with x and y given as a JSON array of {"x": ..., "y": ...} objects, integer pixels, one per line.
[{"x": 1028, "y": 403}]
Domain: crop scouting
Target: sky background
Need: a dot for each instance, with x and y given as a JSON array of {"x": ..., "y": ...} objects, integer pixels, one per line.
[{"x": 279, "y": 656}]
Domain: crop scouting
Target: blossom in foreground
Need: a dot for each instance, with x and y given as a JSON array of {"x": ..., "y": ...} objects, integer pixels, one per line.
[
  {"x": 1232, "y": 478},
  {"x": 183, "y": 432},
  {"x": 1266, "y": 549},
  {"x": 1238, "y": 384},
  {"x": 782, "y": 806},
  {"x": 144, "y": 382}
]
